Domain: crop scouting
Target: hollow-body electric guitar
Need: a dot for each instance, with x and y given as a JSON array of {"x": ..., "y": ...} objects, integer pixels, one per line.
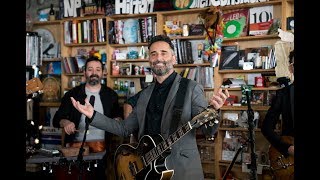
[
  {"x": 282, "y": 166},
  {"x": 146, "y": 160}
]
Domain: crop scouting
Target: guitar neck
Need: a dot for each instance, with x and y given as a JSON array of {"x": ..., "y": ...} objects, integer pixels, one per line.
[
  {"x": 154, "y": 153},
  {"x": 208, "y": 115}
]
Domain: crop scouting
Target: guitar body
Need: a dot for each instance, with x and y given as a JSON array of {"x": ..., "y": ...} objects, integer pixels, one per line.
[
  {"x": 130, "y": 163},
  {"x": 282, "y": 167},
  {"x": 147, "y": 160}
]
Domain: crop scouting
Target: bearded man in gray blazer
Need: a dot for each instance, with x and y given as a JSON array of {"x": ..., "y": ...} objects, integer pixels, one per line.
[{"x": 154, "y": 111}]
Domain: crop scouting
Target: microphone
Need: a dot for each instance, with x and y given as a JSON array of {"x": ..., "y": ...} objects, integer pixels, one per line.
[
  {"x": 45, "y": 52},
  {"x": 91, "y": 101}
]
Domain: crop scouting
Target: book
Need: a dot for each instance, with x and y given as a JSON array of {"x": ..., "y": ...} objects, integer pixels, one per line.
[
  {"x": 260, "y": 20},
  {"x": 236, "y": 23},
  {"x": 81, "y": 62},
  {"x": 229, "y": 58}
]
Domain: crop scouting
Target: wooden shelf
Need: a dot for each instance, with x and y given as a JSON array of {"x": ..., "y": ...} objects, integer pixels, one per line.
[
  {"x": 227, "y": 163},
  {"x": 188, "y": 37},
  {"x": 207, "y": 161},
  {"x": 84, "y": 18},
  {"x": 208, "y": 89},
  {"x": 251, "y": 38},
  {"x": 86, "y": 44},
  {"x": 130, "y": 60},
  {"x": 128, "y": 45},
  {"x": 255, "y": 89},
  {"x": 247, "y": 71},
  {"x": 55, "y": 22},
  {"x": 51, "y": 59},
  {"x": 191, "y": 65},
  {"x": 127, "y": 16}
]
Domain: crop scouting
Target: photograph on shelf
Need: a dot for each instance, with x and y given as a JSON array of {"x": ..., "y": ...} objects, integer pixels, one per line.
[
  {"x": 54, "y": 67},
  {"x": 229, "y": 58},
  {"x": 51, "y": 88},
  {"x": 258, "y": 98}
]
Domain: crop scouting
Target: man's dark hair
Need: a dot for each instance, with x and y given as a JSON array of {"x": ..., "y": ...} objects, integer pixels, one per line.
[
  {"x": 161, "y": 37},
  {"x": 291, "y": 56},
  {"x": 93, "y": 58}
]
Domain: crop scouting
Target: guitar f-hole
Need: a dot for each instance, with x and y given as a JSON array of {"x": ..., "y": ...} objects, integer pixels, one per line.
[{"x": 133, "y": 168}]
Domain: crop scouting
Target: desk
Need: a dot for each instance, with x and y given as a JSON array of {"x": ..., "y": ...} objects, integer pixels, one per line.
[
  {"x": 37, "y": 158},
  {"x": 61, "y": 167}
]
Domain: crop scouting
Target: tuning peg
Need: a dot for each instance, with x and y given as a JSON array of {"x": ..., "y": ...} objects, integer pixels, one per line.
[
  {"x": 96, "y": 164},
  {"x": 69, "y": 168},
  {"x": 44, "y": 167},
  {"x": 50, "y": 169},
  {"x": 89, "y": 167}
]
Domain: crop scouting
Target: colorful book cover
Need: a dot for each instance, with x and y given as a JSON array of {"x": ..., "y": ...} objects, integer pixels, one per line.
[
  {"x": 260, "y": 20},
  {"x": 236, "y": 23}
]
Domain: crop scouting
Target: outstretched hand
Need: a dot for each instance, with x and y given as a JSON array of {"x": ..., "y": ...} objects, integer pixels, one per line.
[
  {"x": 86, "y": 109},
  {"x": 218, "y": 99}
]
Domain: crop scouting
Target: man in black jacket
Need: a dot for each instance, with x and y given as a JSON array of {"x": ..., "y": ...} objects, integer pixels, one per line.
[
  {"x": 73, "y": 122},
  {"x": 282, "y": 104}
]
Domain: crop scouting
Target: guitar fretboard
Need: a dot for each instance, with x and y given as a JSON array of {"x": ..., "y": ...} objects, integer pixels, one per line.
[
  {"x": 166, "y": 144},
  {"x": 206, "y": 116}
]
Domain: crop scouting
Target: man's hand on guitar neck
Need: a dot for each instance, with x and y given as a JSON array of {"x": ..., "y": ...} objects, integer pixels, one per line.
[
  {"x": 291, "y": 150},
  {"x": 218, "y": 99}
]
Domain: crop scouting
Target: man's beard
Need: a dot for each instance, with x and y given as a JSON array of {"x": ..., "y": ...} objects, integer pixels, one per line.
[
  {"x": 94, "y": 79},
  {"x": 163, "y": 70}
]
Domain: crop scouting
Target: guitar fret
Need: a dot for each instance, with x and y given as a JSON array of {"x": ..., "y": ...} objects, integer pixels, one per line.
[
  {"x": 159, "y": 148},
  {"x": 147, "y": 158},
  {"x": 170, "y": 141},
  {"x": 154, "y": 154},
  {"x": 165, "y": 145},
  {"x": 174, "y": 137},
  {"x": 180, "y": 132}
]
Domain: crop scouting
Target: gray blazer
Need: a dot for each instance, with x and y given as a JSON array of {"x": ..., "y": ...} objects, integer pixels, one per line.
[{"x": 184, "y": 157}]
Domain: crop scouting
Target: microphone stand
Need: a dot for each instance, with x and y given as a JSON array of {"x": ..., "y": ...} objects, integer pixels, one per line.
[
  {"x": 81, "y": 150},
  {"x": 253, "y": 165}
]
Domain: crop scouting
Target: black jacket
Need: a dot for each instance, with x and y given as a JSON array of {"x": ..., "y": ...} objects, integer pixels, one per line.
[
  {"x": 109, "y": 99},
  {"x": 281, "y": 104}
]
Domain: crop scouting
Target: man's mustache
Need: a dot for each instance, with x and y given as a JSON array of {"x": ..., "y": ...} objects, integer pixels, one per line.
[
  {"x": 156, "y": 62},
  {"x": 94, "y": 75}
]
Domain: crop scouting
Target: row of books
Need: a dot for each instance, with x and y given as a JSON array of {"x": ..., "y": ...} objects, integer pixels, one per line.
[
  {"x": 33, "y": 49},
  {"x": 183, "y": 51},
  {"x": 84, "y": 31},
  {"x": 73, "y": 64},
  {"x": 248, "y": 21},
  {"x": 132, "y": 30},
  {"x": 203, "y": 75},
  {"x": 257, "y": 57}
]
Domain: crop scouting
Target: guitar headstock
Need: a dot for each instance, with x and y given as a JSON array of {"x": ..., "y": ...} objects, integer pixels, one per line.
[
  {"x": 34, "y": 85},
  {"x": 208, "y": 115}
]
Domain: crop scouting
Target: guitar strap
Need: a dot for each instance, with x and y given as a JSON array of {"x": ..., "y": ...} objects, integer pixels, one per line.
[{"x": 178, "y": 106}]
